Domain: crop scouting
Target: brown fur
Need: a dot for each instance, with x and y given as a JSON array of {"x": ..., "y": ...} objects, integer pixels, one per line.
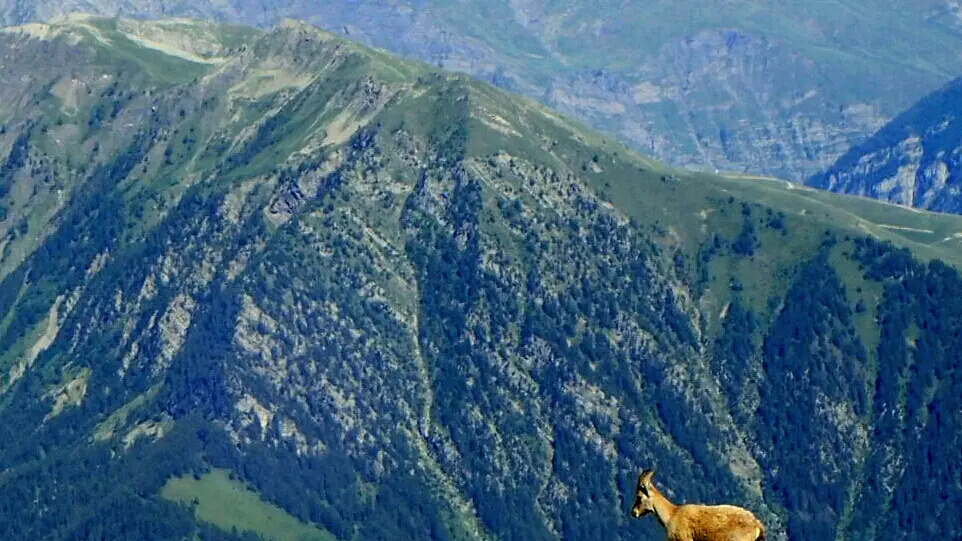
[{"x": 695, "y": 522}]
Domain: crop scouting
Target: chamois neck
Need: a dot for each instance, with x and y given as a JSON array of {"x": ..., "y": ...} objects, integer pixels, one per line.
[{"x": 664, "y": 509}]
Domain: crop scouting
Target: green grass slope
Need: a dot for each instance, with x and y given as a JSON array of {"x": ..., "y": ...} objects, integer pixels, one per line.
[
  {"x": 930, "y": 235},
  {"x": 231, "y": 505}
]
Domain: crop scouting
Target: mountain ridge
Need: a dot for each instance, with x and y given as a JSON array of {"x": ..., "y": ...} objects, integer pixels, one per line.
[{"x": 766, "y": 89}]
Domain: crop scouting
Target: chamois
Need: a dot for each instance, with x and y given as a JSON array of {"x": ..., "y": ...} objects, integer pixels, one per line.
[{"x": 691, "y": 522}]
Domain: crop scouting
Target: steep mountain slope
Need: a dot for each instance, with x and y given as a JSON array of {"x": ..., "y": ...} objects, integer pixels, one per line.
[
  {"x": 279, "y": 275},
  {"x": 780, "y": 88},
  {"x": 913, "y": 160}
]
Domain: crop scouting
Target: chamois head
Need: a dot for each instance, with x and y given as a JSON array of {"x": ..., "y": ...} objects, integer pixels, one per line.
[{"x": 643, "y": 504}]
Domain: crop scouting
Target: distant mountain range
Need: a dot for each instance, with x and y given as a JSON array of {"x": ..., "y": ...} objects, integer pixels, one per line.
[
  {"x": 775, "y": 88},
  {"x": 272, "y": 284}
]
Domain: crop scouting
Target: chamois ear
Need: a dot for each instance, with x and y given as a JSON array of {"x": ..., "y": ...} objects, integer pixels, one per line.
[{"x": 644, "y": 480}]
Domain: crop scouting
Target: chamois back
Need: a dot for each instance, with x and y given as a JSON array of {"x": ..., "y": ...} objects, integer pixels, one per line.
[{"x": 714, "y": 523}]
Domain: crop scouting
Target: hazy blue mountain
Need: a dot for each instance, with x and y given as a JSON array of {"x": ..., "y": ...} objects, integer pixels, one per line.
[
  {"x": 273, "y": 284},
  {"x": 913, "y": 160},
  {"x": 776, "y": 88}
]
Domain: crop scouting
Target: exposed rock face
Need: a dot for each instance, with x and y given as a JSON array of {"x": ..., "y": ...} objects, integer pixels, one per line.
[
  {"x": 728, "y": 100},
  {"x": 913, "y": 160}
]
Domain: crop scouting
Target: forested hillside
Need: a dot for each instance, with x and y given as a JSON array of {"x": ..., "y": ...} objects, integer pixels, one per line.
[{"x": 273, "y": 284}]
